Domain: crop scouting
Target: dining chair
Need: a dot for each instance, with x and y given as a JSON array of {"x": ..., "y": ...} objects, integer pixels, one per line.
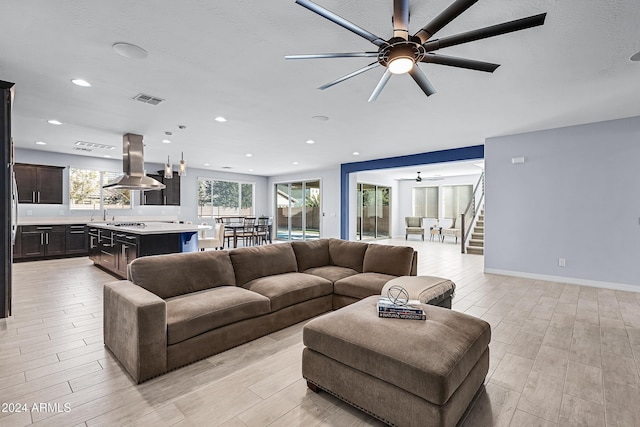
[
  {"x": 216, "y": 241},
  {"x": 262, "y": 231},
  {"x": 247, "y": 232}
]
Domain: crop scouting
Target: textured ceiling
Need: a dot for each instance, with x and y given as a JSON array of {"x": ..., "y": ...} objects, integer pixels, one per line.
[{"x": 210, "y": 58}]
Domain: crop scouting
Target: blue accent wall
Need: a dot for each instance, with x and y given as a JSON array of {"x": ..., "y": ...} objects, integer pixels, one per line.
[{"x": 451, "y": 155}]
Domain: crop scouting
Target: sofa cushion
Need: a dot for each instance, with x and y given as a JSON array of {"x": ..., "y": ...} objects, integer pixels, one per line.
[
  {"x": 260, "y": 261},
  {"x": 361, "y": 285},
  {"x": 284, "y": 290},
  {"x": 198, "y": 312},
  {"x": 347, "y": 254},
  {"x": 387, "y": 259},
  {"x": 331, "y": 272},
  {"x": 176, "y": 274},
  {"x": 311, "y": 253}
]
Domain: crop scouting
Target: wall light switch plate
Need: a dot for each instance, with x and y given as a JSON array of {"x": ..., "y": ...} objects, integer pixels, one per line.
[
  {"x": 516, "y": 160},
  {"x": 562, "y": 262},
  {"x": 29, "y": 212}
]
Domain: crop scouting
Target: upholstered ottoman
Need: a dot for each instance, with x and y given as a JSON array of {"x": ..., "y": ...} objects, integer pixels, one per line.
[
  {"x": 403, "y": 372},
  {"x": 426, "y": 289}
]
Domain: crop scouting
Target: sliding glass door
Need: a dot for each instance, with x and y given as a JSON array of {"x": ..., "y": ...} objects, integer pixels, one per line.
[
  {"x": 373, "y": 212},
  {"x": 298, "y": 212}
]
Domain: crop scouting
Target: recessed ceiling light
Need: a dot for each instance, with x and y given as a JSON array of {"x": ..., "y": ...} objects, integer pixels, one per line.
[
  {"x": 80, "y": 82},
  {"x": 310, "y": 141},
  {"x": 54, "y": 122},
  {"x": 249, "y": 155},
  {"x": 107, "y": 156},
  {"x": 250, "y": 170},
  {"x": 41, "y": 143},
  {"x": 355, "y": 153},
  {"x": 129, "y": 50},
  {"x": 636, "y": 57},
  {"x": 220, "y": 119},
  {"x": 207, "y": 164},
  {"x": 295, "y": 163},
  {"x": 166, "y": 141},
  {"x": 320, "y": 118}
]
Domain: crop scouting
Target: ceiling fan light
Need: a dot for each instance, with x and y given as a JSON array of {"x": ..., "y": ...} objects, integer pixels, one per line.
[{"x": 400, "y": 65}]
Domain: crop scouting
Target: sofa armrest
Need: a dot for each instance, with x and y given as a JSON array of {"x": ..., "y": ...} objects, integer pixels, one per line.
[
  {"x": 414, "y": 264},
  {"x": 135, "y": 329}
]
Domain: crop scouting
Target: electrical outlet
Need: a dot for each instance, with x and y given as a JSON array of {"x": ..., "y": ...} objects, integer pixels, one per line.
[
  {"x": 562, "y": 262},
  {"x": 29, "y": 212}
]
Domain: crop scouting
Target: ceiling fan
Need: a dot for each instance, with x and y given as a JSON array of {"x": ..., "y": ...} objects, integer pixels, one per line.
[
  {"x": 402, "y": 52},
  {"x": 419, "y": 178}
]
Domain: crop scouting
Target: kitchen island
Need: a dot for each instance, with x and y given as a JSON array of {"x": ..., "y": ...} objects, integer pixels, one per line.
[{"x": 113, "y": 245}]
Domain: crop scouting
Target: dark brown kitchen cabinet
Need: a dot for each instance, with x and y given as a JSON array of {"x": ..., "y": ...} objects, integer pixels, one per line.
[
  {"x": 39, "y": 184},
  {"x": 126, "y": 251},
  {"x": 38, "y": 241},
  {"x": 169, "y": 196},
  {"x": 50, "y": 241},
  {"x": 76, "y": 239}
]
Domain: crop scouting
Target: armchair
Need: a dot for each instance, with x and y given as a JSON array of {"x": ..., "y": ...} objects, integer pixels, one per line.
[
  {"x": 453, "y": 231},
  {"x": 414, "y": 226}
]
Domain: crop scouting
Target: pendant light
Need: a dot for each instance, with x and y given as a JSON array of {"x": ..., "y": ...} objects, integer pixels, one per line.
[
  {"x": 168, "y": 170},
  {"x": 182, "y": 167}
]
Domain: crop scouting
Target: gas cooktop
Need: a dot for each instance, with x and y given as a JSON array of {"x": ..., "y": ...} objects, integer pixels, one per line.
[{"x": 128, "y": 224}]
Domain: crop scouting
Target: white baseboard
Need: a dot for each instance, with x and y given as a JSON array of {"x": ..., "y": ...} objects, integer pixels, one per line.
[{"x": 562, "y": 279}]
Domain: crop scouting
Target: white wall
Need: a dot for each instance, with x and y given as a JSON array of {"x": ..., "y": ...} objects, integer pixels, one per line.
[
  {"x": 329, "y": 196},
  {"x": 187, "y": 211},
  {"x": 577, "y": 197}
]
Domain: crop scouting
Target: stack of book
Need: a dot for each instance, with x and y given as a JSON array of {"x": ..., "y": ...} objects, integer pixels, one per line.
[{"x": 412, "y": 310}]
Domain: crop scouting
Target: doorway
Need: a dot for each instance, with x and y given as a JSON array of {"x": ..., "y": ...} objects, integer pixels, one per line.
[
  {"x": 373, "y": 213},
  {"x": 298, "y": 214}
]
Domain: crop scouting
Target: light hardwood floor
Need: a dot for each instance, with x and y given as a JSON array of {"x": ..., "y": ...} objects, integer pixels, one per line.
[{"x": 560, "y": 355}]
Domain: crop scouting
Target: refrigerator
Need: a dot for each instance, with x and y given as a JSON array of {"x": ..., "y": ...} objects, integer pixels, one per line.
[{"x": 8, "y": 216}]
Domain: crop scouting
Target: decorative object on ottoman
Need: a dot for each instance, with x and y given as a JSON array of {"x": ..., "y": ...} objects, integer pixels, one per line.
[
  {"x": 397, "y": 295},
  {"x": 426, "y": 289},
  {"x": 403, "y": 373},
  {"x": 397, "y": 305}
]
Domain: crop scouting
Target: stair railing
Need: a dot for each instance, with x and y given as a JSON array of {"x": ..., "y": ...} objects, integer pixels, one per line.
[{"x": 470, "y": 213}]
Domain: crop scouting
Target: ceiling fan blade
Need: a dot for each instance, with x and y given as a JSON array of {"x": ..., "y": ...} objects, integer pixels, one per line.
[
  {"x": 453, "y": 61},
  {"x": 341, "y": 21},
  {"x": 333, "y": 55},
  {"x": 348, "y": 76},
  {"x": 449, "y": 14},
  {"x": 422, "y": 81},
  {"x": 381, "y": 84},
  {"x": 483, "y": 33},
  {"x": 401, "y": 19}
]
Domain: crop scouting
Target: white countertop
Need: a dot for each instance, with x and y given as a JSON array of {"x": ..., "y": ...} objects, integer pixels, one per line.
[
  {"x": 63, "y": 220},
  {"x": 151, "y": 227}
]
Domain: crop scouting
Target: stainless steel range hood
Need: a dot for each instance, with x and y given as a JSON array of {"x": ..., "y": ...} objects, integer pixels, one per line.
[{"x": 134, "y": 177}]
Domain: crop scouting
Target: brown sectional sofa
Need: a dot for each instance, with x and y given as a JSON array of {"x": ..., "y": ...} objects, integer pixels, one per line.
[{"x": 179, "y": 308}]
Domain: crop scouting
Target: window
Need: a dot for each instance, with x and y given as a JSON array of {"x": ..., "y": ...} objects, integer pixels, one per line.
[
  {"x": 86, "y": 192},
  {"x": 456, "y": 199},
  {"x": 425, "y": 202},
  {"x": 221, "y": 198}
]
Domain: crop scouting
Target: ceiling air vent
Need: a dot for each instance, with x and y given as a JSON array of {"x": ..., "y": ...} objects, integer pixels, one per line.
[
  {"x": 148, "y": 99},
  {"x": 92, "y": 145}
]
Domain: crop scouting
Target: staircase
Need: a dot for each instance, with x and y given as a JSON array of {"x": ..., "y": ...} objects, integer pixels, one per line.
[{"x": 476, "y": 242}]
